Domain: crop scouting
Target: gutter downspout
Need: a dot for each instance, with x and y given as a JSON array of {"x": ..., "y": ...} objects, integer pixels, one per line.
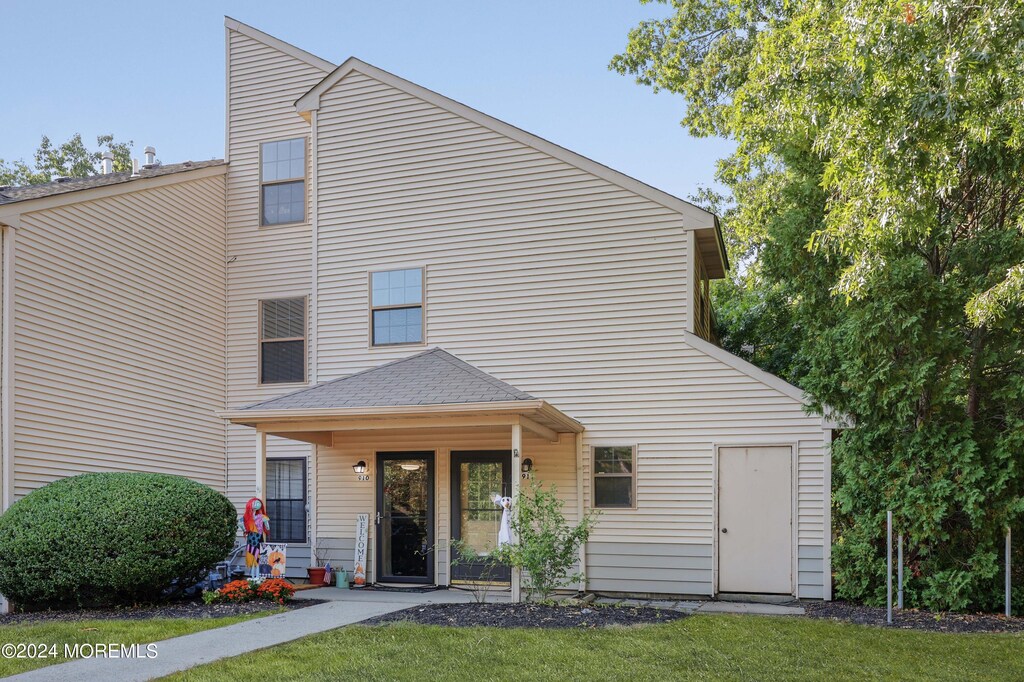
[
  {"x": 314, "y": 323},
  {"x": 7, "y": 240},
  {"x": 6, "y": 365}
]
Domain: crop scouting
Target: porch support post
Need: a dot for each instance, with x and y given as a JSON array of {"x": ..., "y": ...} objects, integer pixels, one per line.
[
  {"x": 314, "y": 452},
  {"x": 582, "y": 586},
  {"x": 517, "y": 448},
  {"x": 261, "y": 463}
]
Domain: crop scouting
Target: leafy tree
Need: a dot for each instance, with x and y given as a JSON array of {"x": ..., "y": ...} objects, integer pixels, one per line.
[
  {"x": 877, "y": 188},
  {"x": 70, "y": 159}
]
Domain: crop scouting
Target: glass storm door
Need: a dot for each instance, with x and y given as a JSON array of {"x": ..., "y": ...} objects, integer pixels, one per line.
[
  {"x": 476, "y": 478},
  {"x": 405, "y": 517}
]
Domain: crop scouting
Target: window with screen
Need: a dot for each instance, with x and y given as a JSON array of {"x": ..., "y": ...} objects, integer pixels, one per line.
[
  {"x": 286, "y": 499},
  {"x": 396, "y": 307},
  {"x": 283, "y": 182},
  {"x": 283, "y": 341},
  {"x": 614, "y": 476}
]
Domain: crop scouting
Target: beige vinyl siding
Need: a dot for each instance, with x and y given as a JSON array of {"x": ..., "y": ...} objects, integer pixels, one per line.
[
  {"x": 263, "y": 261},
  {"x": 341, "y": 497},
  {"x": 119, "y": 338},
  {"x": 552, "y": 279}
]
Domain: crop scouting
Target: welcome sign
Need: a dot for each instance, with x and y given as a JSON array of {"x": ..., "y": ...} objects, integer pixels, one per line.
[{"x": 359, "y": 564}]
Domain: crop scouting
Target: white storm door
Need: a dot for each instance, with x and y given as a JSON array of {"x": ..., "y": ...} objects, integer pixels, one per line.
[{"x": 755, "y": 520}]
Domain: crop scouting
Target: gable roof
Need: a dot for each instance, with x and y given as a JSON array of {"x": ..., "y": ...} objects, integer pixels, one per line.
[
  {"x": 433, "y": 377},
  {"x": 704, "y": 223},
  {"x": 12, "y": 195}
]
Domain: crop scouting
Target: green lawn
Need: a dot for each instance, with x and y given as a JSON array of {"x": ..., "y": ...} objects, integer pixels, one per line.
[
  {"x": 97, "y": 631},
  {"x": 708, "y": 647}
]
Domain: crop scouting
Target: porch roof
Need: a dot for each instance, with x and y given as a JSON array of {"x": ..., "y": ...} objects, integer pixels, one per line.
[{"x": 429, "y": 389}]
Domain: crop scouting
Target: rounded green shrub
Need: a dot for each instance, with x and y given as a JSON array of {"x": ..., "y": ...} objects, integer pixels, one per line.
[{"x": 112, "y": 538}]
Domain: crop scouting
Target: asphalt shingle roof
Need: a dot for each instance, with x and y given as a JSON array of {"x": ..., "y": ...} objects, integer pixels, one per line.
[
  {"x": 433, "y": 377},
  {"x": 11, "y": 195}
]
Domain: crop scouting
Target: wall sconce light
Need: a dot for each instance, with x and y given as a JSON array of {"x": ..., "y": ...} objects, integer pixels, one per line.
[
  {"x": 527, "y": 465},
  {"x": 359, "y": 467}
]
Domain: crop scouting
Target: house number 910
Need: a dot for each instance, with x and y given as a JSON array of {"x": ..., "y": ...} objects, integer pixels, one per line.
[{"x": 362, "y": 477}]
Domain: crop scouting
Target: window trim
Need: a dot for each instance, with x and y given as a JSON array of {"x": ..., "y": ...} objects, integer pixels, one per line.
[
  {"x": 594, "y": 476},
  {"x": 305, "y": 500},
  {"x": 260, "y": 341},
  {"x": 371, "y": 308},
  {"x": 305, "y": 180}
]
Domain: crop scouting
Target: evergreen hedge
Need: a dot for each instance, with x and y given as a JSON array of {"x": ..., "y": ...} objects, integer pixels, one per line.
[{"x": 112, "y": 538}]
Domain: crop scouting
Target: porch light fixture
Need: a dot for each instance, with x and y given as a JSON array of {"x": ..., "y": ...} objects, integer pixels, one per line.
[
  {"x": 359, "y": 467},
  {"x": 527, "y": 465}
]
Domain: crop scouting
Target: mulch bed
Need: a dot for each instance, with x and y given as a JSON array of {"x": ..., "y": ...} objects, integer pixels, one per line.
[
  {"x": 913, "y": 619},
  {"x": 528, "y": 615},
  {"x": 181, "y": 609}
]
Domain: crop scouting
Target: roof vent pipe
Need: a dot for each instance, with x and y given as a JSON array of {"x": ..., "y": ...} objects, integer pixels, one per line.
[
  {"x": 135, "y": 168},
  {"x": 108, "y": 163},
  {"x": 150, "y": 156}
]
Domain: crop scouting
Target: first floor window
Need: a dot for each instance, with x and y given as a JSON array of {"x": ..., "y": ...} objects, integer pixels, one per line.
[
  {"x": 286, "y": 499},
  {"x": 396, "y": 307},
  {"x": 614, "y": 476},
  {"x": 283, "y": 340}
]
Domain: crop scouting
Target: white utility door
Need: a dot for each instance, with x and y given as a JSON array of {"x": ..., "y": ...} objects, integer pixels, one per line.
[{"x": 755, "y": 520}]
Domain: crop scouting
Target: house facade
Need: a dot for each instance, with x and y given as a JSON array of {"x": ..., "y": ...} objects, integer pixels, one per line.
[{"x": 385, "y": 303}]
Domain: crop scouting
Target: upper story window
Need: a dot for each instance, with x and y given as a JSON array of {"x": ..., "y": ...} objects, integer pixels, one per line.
[
  {"x": 283, "y": 182},
  {"x": 615, "y": 476},
  {"x": 283, "y": 341},
  {"x": 396, "y": 307}
]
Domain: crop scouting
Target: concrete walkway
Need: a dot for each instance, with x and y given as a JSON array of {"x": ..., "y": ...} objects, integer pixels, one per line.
[{"x": 182, "y": 653}]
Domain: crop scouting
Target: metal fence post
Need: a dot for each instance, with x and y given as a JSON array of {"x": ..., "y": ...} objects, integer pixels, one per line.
[
  {"x": 888, "y": 567},
  {"x": 899, "y": 572},
  {"x": 1007, "y": 570}
]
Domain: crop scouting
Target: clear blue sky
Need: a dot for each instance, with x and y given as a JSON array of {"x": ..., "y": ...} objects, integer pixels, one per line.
[{"x": 153, "y": 72}]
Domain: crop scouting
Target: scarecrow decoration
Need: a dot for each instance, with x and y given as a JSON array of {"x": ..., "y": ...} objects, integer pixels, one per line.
[
  {"x": 504, "y": 532},
  {"x": 257, "y": 531}
]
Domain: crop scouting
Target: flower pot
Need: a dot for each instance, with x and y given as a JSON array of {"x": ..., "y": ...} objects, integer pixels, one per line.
[{"x": 316, "y": 575}]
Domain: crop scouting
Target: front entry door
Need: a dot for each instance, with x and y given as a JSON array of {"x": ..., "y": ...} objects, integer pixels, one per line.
[
  {"x": 476, "y": 478},
  {"x": 405, "y": 517},
  {"x": 755, "y": 519}
]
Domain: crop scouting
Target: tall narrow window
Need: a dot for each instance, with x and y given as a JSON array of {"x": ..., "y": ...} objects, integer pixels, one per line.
[
  {"x": 614, "y": 476},
  {"x": 283, "y": 182},
  {"x": 396, "y": 307},
  {"x": 286, "y": 499},
  {"x": 283, "y": 341}
]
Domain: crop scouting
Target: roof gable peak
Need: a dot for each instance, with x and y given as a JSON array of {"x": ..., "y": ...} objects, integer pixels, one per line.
[{"x": 278, "y": 44}]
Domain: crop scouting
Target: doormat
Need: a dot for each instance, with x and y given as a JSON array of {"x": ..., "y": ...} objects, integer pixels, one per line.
[{"x": 386, "y": 587}]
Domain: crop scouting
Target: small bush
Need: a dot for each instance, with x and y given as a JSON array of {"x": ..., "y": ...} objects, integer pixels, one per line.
[
  {"x": 547, "y": 547},
  {"x": 112, "y": 538}
]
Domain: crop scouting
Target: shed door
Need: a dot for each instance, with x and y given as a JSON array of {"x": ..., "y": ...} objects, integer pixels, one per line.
[{"x": 755, "y": 520}]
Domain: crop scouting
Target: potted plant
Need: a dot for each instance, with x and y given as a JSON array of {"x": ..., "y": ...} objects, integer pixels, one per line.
[{"x": 317, "y": 571}]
